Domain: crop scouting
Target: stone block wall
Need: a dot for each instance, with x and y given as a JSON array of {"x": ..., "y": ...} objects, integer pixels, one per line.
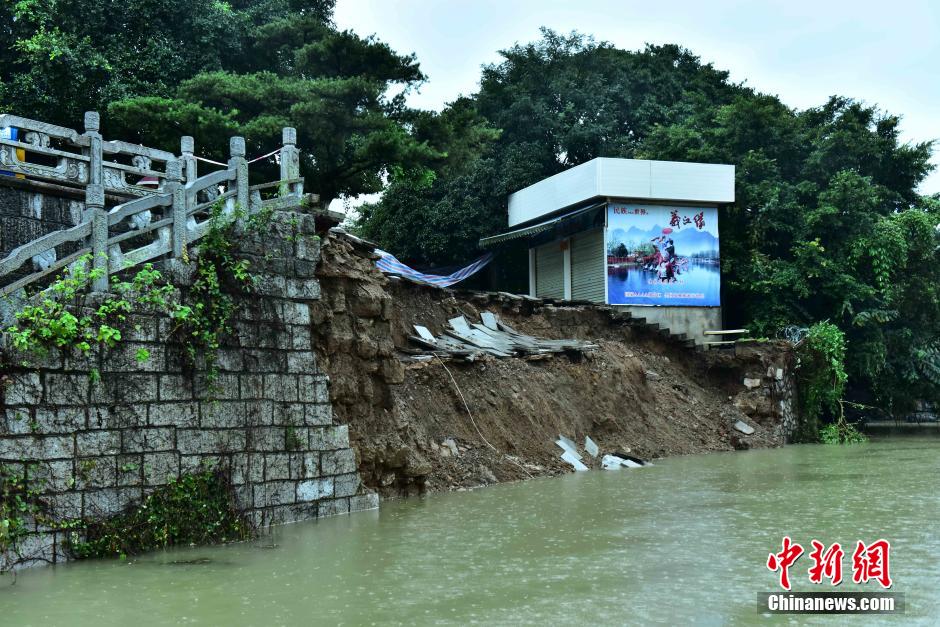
[{"x": 267, "y": 419}]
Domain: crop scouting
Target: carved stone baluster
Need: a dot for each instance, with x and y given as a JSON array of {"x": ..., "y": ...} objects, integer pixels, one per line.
[
  {"x": 94, "y": 202},
  {"x": 187, "y": 150},
  {"x": 238, "y": 163},
  {"x": 174, "y": 185},
  {"x": 290, "y": 163}
]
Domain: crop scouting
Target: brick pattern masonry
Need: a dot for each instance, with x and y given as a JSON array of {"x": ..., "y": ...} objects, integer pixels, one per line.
[{"x": 268, "y": 420}]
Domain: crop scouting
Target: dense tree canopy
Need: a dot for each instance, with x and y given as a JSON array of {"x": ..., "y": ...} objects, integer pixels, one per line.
[
  {"x": 826, "y": 226},
  {"x": 64, "y": 57}
]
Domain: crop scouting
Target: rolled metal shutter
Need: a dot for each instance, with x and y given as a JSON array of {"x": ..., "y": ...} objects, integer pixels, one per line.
[
  {"x": 587, "y": 266},
  {"x": 549, "y": 279}
]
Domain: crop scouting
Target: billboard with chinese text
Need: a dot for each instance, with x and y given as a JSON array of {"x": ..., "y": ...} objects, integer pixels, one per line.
[{"x": 661, "y": 255}]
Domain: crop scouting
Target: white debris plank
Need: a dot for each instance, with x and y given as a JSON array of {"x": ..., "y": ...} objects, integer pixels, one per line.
[
  {"x": 591, "y": 447},
  {"x": 490, "y": 320},
  {"x": 424, "y": 333},
  {"x": 574, "y": 461},
  {"x": 567, "y": 446}
]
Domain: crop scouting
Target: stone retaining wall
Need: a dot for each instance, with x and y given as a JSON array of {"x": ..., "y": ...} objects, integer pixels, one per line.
[{"x": 267, "y": 419}]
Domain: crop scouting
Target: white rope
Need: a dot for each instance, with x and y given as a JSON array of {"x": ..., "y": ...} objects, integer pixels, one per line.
[
  {"x": 224, "y": 165},
  {"x": 273, "y": 152},
  {"x": 473, "y": 422}
]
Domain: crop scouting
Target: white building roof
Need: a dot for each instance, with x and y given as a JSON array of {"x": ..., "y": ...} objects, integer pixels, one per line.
[{"x": 636, "y": 179}]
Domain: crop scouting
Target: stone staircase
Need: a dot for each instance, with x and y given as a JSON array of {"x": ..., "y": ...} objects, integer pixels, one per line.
[{"x": 680, "y": 339}]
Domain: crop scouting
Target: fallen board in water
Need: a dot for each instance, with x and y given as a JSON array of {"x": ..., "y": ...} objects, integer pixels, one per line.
[
  {"x": 574, "y": 461},
  {"x": 612, "y": 462}
]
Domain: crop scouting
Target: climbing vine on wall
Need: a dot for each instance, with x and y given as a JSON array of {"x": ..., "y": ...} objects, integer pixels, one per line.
[
  {"x": 65, "y": 317},
  {"x": 206, "y": 319}
]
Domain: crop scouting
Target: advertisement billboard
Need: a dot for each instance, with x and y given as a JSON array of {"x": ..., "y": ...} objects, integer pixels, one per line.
[{"x": 663, "y": 255}]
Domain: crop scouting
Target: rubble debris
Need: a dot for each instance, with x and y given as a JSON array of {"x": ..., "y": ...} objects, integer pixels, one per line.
[
  {"x": 743, "y": 427},
  {"x": 450, "y": 444},
  {"x": 493, "y": 337},
  {"x": 632, "y": 458}
]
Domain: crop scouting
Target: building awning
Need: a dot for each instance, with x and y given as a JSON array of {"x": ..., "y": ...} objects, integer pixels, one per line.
[{"x": 573, "y": 221}]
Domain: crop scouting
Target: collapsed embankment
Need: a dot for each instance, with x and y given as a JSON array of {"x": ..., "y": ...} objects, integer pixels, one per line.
[{"x": 437, "y": 425}]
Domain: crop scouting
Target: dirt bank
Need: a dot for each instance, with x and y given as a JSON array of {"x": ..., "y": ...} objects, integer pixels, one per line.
[{"x": 443, "y": 425}]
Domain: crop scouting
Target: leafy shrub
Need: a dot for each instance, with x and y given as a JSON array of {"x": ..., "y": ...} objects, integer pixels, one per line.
[
  {"x": 841, "y": 432},
  {"x": 61, "y": 320},
  {"x": 193, "y": 509}
]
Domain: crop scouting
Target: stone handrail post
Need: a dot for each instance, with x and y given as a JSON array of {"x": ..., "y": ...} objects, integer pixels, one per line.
[
  {"x": 174, "y": 186},
  {"x": 187, "y": 152},
  {"x": 239, "y": 164},
  {"x": 94, "y": 201},
  {"x": 290, "y": 163}
]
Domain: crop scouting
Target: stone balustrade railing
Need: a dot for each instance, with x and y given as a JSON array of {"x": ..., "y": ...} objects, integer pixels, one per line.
[{"x": 162, "y": 217}]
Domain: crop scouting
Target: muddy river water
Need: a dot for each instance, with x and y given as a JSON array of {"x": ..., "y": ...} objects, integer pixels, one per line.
[{"x": 684, "y": 541}]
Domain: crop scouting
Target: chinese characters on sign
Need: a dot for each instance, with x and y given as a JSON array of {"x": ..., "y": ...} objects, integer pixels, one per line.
[{"x": 869, "y": 562}]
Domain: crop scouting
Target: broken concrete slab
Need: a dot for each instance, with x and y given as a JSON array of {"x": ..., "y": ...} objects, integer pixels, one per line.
[{"x": 743, "y": 427}]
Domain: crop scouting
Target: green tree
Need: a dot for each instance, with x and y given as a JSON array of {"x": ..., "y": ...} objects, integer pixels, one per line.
[
  {"x": 331, "y": 85},
  {"x": 64, "y": 57}
]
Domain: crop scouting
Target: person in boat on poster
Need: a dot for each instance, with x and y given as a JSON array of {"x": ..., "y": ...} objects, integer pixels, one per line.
[{"x": 664, "y": 260}]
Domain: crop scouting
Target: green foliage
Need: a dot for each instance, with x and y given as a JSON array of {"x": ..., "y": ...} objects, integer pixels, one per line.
[
  {"x": 821, "y": 376},
  {"x": 841, "y": 433},
  {"x": 193, "y": 509},
  {"x": 206, "y": 319},
  {"x": 330, "y": 85},
  {"x": 159, "y": 69},
  {"x": 292, "y": 440},
  {"x": 62, "y": 320},
  {"x": 64, "y": 57},
  {"x": 546, "y": 107}
]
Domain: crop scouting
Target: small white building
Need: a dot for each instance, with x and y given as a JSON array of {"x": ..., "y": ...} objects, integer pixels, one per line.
[{"x": 636, "y": 234}]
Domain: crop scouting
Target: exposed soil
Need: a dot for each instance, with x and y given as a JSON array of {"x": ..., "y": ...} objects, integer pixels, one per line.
[{"x": 439, "y": 425}]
